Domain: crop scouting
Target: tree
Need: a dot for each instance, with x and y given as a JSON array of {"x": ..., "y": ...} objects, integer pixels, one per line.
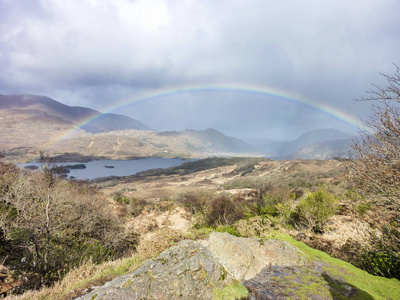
[
  {"x": 377, "y": 169},
  {"x": 376, "y": 174}
]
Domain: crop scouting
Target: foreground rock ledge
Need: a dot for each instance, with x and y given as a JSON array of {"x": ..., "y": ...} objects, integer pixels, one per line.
[
  {"x": 268, "y": 269},
  {"x": 192, "y": 270}
]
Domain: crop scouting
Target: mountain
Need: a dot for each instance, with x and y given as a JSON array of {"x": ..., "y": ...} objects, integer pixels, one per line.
[
  {"x": 124, "y": 144},
  {"x": 41, "y": 107},
  {"x": 29, "y": 124},
  {"x": 281, "y": 150},
  {"x": 324, "y": 150},
  {"x": 210, "y": 140}
]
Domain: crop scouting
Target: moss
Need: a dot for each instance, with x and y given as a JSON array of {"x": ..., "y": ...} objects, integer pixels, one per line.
[
  {"x": 233, "y": 291},
  {"x": 127, "y": 283},
  {"x": 368, "y": 286}
]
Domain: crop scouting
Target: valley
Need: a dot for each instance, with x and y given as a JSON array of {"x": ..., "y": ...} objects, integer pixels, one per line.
[
  {"x": 209, "y": 185},
  {"x": 30, "y": 124}
]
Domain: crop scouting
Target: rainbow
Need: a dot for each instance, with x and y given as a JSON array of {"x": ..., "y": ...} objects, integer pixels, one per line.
[{"x": 263, "y": 91}]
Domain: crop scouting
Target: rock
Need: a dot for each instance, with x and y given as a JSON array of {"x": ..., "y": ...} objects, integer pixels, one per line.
[
  {"x": 191, "y": 270},
  {"x": 186, "y": 271},
  {"x": 31, "y": 167},
  {"x": 268, "y": 269},
  {"x": 76, "y": 166},
  {"x": 244, "y": 258}
]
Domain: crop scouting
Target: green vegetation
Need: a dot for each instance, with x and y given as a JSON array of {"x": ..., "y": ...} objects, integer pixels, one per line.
[
  {"x": 244, "y": 165},
  {"x": 383, "y": 257},
  {"x": 213, "y": 210},
  {"x": 371, "y": 287},
  {"x": 315, "y": 209},
  {"x": 230, "y": 292}
]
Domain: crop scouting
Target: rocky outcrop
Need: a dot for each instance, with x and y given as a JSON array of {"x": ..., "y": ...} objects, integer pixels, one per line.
[
  {"x": 228, "y": 267},
  {"x": 244, "y": 258},
  {"x": 193, "y": 270},
  {"x": 186, "y": 271}
]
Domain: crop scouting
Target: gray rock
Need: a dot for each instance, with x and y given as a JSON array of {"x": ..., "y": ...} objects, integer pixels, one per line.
[
  {"x": 191, "y": 270},
  {"x": 244, "y": 258},
  {"x": 186, "y": 271},
  {"x": 268, "y": 269}
]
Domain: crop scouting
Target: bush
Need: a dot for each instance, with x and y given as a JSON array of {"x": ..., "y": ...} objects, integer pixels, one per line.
[
  {"x": 229, "y": 229},
  {"x": 214, "y": 210},
  {"x": 48, "y": 225},
  {"x": 383, "y": 257},
  {"x": 258, "y": 183},
  {"x": 315, "y": 209},
  {"x": 133, "y": 206},
  {"x": 276, "y": 202}
]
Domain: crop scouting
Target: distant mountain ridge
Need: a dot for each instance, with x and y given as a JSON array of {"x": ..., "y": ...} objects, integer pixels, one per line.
[
  {"x": 212, "y": 140},
  {"x": 283, "y": 150},
  {"x": 324, "y": 150},
  {"x": 75, "y": 115},
  {"x": 30, "y": 123}
]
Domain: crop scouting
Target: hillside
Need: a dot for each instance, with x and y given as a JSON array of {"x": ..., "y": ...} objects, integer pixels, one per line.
[
  {"x": 282, "y": 150},
  {"x": 30, "y": 123},
  {"x": 126, "y": 144},
  {"x": 324, "y": 150},
  {"x": 41, "y": 107},
  {"x": 180, "y": 218}
]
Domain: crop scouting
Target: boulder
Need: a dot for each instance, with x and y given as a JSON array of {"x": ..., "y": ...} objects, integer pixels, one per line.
[
  {"x": 228, "y": 267},
  {"x": 244, "y": 258},
  {"x": 186, "y": 271},
  {"x": 192, "y": 270}
]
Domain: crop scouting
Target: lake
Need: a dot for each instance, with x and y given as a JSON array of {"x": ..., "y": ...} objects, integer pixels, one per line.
[{"x": 104, "y": 168}]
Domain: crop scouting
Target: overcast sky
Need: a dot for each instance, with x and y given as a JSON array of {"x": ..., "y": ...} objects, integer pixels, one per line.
[{"x": 102, "y": 53}]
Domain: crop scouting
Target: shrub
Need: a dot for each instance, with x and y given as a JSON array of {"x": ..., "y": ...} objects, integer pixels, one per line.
[
  {"x": 214, "y": 210},
  {"x": 383, "y": 257},
  {"x": 273, "y": 201},
  {"x": 52, "y": 225},
  {"x": 259, "y": 183},
  {"x": 315, "y": 209},
  {"x": 161, "y": 240}
]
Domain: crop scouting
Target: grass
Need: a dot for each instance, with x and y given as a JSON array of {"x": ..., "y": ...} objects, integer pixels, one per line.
[
  {"x": 82, "y": 278},
  {"x": 369, "y": 286},
  {"x": 232, "y": 291}
]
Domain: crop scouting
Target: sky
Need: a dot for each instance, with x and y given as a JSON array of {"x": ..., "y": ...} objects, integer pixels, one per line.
[{"x": 166, "y": 58}]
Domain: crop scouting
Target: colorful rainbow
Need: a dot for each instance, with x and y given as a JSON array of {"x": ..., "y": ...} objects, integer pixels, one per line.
[{"x": 247, "y": 89}]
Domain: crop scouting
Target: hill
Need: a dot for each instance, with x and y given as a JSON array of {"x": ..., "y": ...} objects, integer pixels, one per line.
[
  {"x": 41, "y": 107},
  {"x": 324, "y": 150},
  {"x": 30, "y": 123},
  {"x": 284, "y": 150},
  {"x": 125, "y": 144}
]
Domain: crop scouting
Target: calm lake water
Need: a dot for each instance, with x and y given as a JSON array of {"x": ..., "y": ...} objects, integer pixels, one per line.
[{"x": 97, "y": 168}]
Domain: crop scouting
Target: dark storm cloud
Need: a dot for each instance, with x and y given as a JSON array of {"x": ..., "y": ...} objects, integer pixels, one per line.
[{"x": 97, "y": 53}]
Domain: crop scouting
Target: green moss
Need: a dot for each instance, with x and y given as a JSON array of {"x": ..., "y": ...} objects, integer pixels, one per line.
[
  {"x": 368, "y": 286},
  {"x": 233, "y": 291},
  {"x": 229, "y": 229},
  {"x": 127, "y": 283}
]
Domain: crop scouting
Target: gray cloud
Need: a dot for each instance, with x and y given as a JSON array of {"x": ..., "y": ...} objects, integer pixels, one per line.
[{"x": 97, "y": 53}]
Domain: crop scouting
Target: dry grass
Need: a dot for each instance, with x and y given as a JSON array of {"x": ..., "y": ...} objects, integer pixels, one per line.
[
  {"x": 155, "y": 243},
  {"x": 80, "y": 279}
]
